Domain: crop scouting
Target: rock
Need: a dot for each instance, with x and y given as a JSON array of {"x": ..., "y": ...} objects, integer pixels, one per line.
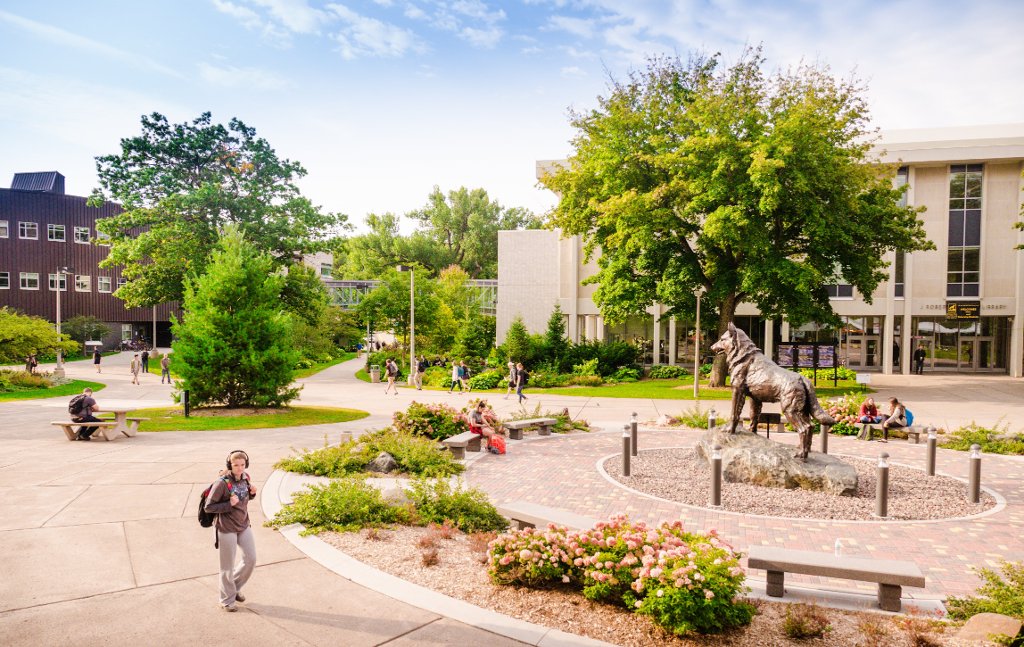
[
  {"x": 385, "y": 463},
  {"x": 754, "y": 459},
  {"x": 985, "y": 625}
]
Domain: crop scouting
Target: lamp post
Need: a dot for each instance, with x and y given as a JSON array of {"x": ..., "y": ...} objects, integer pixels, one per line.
[
  {"x": 696, "y": 349},
  {"x": 412, "y": 316},
  {"x": 61, "y": 272}
]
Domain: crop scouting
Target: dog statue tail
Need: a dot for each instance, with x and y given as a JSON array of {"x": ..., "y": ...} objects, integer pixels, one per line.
[{"x": 813, "y": 407}]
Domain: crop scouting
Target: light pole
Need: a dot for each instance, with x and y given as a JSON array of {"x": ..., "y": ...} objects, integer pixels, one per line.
[
  {"x": 412, "y": 316},
  {"x": 61, "y": 271},
  {"x": 696, "y": 349}
]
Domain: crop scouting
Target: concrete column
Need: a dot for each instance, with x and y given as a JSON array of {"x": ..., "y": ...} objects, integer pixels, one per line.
[
  {"x": 887, "y": 322},
  {"x": 907, "y": 345},
  {"x": 656, "y": 341},
  {"x": 785, "y": 331},
  {"x": 769, "y": 338},
  {"x": 572, "y": 330},
  {"x": 1016, "y": 358},
  {"x": 672, "y": 341},
  {"x": 590, "y": 326},
  {"x": 600, "y": 327}
]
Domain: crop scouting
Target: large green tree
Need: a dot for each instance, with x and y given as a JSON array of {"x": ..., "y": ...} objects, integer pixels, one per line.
[
  {"x": 234, "y": 343},
  {"x": 86, "y": 328},
  {"x": 179, "y": 184},
  {"x": 22, "y": 335},
  {"x": 386, "y": 307},
  {"x": 749, "y": 186}
]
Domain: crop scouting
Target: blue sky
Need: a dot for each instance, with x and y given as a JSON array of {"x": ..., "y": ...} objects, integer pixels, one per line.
[{"x": 383, "y": 99}]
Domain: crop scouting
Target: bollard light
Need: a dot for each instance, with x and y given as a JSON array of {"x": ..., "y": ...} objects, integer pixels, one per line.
[
  {"x": 929, "y": 466},
  {"x": 625, "y": 450},
  {"x": 974, "y": 486},
  {"x": 712, "y": 419},
  {"x": 634, "y": 420},
  {"x": 716, "y": 476},
  {"x": 882, "y": 487}
]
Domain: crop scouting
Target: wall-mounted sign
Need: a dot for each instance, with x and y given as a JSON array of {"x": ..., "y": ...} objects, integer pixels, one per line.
[{"x": 960, "y": 310}]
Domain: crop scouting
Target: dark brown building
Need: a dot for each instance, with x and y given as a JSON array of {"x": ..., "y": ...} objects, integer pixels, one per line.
[{"x": 42, "y": 230}]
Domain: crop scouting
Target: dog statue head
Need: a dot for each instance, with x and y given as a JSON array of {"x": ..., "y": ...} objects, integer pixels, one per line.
[{"x": 733, "y": 342}]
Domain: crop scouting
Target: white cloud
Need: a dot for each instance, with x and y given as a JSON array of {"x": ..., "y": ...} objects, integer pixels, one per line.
[
  {"x": 229, "y": 76},
  {"x": 249, "y": 18},
  {"x": 413, "y": 12},
  {"x": 573, "y": 72},
  {"x": 477, "y": 9},
  {"x": 68, "y": 39},
  {"x": 364, "y": 36},
  {"x": 576, "y": 26},
  {"x": 486, "y": 38},
  {"x": 296, "y": 15}
]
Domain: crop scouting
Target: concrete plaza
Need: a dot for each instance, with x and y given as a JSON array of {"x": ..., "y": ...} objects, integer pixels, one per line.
[{"x": 102, "y": 546}]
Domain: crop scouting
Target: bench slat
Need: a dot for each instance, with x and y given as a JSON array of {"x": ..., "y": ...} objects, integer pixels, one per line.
[
  {"x": 882, "y": 571},
  {"x": 534, "y": 422},
  {"x": 539, "y": 516}
]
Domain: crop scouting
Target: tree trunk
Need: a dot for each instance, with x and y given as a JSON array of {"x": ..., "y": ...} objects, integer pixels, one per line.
[{"x": 727, "y": 311}]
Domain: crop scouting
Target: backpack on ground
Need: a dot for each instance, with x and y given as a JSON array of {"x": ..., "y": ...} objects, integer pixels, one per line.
[
  {"x": 909, "y": 416},
  {"x": 77, "y": 405}
]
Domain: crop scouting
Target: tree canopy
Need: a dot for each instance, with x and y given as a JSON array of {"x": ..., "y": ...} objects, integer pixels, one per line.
[
  {"x": 22, "y": 335},
  {"x": 180, "y": 184},
  {"x": 749, "y": 186}
]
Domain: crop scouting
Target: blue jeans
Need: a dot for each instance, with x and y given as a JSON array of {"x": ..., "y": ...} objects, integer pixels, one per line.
[
  {"x": 868, "y": 419},
  {"x": 519, "y": 392}
]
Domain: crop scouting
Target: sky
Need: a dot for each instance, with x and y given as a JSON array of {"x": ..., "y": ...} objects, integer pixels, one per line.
[{"x": 381, "y": 100}]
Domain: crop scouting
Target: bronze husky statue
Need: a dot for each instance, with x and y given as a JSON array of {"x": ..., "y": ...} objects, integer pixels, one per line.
[{"x": 763, "y": 380}]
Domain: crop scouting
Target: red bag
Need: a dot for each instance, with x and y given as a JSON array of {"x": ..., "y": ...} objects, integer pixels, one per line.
[{"x": 498, "y": 444}]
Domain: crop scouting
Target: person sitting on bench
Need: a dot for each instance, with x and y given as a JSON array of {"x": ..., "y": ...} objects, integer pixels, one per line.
[
  {"x": 869, "y": 412},
  {"x": 897, "y": 418},
  {"x": 85, "y": 410}
]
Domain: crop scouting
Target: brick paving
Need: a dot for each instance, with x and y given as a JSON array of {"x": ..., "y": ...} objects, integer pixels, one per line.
[{"x": 562, "y": 472}]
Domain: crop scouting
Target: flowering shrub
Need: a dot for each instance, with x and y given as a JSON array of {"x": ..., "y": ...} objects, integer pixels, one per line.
[
  {"x": 437, "y": 421},
  {"x": 845, "y": 409},
  {"x": 684, "y": 581}
]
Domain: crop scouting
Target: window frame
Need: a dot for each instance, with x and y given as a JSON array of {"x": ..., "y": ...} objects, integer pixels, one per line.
[
  {"x": 23, "y": 276},
  {"x": 52, "y": 228},
  {"x": 62, "y": 280},
  {"x": 6, "y": 284},
  {"x": 23, "y": 226},
  {"x": 79, "y": 230},
  {"x": 99, "y": 284},
  {"x": 83, "y": 279},
  {"x": 5, "y": 228},
  {"x": 966, "y": 184}
]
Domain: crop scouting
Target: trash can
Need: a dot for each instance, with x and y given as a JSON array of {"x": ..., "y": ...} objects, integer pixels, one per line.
[{"x": 375, "y": 373}]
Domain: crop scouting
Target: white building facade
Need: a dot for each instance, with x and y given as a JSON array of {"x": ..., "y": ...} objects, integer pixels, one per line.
[{"x": 963, "y": 302}]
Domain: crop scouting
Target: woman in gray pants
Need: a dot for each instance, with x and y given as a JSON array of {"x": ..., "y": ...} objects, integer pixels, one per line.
[{"x": 229, "y": 500}]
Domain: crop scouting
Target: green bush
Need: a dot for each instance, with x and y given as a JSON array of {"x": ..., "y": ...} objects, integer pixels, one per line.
[
  {"x": 343, "y": 505},
  {"x": 380, "y": 358},
  {"x": 667, "y": 372},
  {"x": 610, "y": 356},
  {"x": 995, "y": 595},
  {"x": 414, "y": 455},
  {"x": 844, "y": 429},
  {"x": 993, "y": 440},
  {"x": 625, "y": 374},
  {"x": 438, "y": 376},
  {"x": 694, "y": 417},
  {"x": 23, "y": 381},
  {"x": 565, "y": 421},
  {"x": 842, "y": 372},
  {"x": 469, "y": 510},
  {"x": 487, "y": 380},
  {"x": 437, "y": 421},
  {"x": 705, "y": 369},
  {"x": 586, "y": 380},
  {"x": 542, "y": 380},
  {"x": 588, "y": 368}
]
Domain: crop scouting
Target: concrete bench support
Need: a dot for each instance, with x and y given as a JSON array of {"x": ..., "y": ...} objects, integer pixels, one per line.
[
  {"x": 106, "y": 430},
  {"x": 516, "y": 427},
  {"x": 524, "y": 514},
  {"x": 459, "y": 444},
  {"x": 891, "y": 575}
]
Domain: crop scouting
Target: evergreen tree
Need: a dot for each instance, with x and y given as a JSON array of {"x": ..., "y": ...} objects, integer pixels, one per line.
[
  {"x": 234, "y": 344},
  {"x": 517, "y": 341},
  {"x": 555, "y": 342}
]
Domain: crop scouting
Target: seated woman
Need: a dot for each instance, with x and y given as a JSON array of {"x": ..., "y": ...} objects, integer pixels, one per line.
[
  {"x": 897, "y": 418},
  {"x": 481, "y": 421},
  {"x": 869, "y": 412}
]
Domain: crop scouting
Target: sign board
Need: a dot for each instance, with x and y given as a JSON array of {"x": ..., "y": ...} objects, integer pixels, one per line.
[
  {"x": 786, "y": 355},
  {"x": 826, "y": 357},
  {"x": 93, "y": 343},
  {"x": 805, "y": 356},
  {"x": 864, "y": 378},
  {"x": 963, "y": 310}
]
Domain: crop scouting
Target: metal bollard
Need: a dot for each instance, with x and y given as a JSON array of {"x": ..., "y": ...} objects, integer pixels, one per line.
[
  {"x": 712, "y": 419},
  {"x": 633, "y": 422},
  {"x": 716, "y": 476},
  {"x": 184, "y": 402},
  {"x": 974, "y": 487},
  {"x": 929, "y": 465},
  {"x": 625, "y": 450},
  {"x": 825, "y": 429},
  {"x": 882, "y": 487}
]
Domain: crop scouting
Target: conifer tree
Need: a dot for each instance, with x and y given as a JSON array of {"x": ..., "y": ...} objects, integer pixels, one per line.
[
  {"x": 517, "y": 341},
  {"x": 233, "y": 345}
]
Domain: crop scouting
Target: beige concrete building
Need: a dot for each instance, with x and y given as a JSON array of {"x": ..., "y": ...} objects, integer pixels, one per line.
[{"x": 963, "y": 302}]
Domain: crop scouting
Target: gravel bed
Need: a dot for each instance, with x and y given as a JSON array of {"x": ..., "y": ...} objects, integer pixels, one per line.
[
  {"x": 460, "y": 573},
  {"x": 913, "y": 495}
]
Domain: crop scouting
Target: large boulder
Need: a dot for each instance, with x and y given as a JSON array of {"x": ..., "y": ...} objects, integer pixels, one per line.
[
  {"x": 385, "y": 463},
  {"x": 754, "y": 459}
]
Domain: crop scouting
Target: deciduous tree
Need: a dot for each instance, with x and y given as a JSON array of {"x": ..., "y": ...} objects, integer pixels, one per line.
[{"x": 22, "y": 335}]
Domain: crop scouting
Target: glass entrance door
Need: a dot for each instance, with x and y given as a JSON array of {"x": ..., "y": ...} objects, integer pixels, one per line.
[{"x": 863, "y": 351}]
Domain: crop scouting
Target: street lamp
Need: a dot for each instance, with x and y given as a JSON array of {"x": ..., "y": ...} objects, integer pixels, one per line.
[
  {"x": 412, "y": 316},
  {"x": 61, "y": 271},
  {"x": 696, "y": 349}
]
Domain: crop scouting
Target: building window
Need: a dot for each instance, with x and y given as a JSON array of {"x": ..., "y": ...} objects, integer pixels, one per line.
[
  {"x": 326, "y": 269},
  {"x": 902, "y": 177},
  {"x": 5, "y": 280},
  {"x": 103, "y": 283},
  {"x": 62, "y": 279},
  {"x": 82, "y": 235},
  {"x": 839, "y": 291},
  {"x": 102, "y": 239},
  {"x": 121, "y": 281},
  {"x": 963, "y": 268},
  {"x": 126, "y": 332},
  {"x": 28, "y": 230},
  {"x": 83, "y": 283},
  {"x": 29, "y": 280},
  {"x": 55, "y": 233},
  {"x": 5, "y": 229}
]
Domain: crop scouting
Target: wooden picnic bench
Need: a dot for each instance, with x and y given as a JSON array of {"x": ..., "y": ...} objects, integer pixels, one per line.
[
  {"x": 107, "y": 430},
  {"x": 524, "y": 514},
  {"x": 460, "y": 443},
  {"x": 891, "y": 575},
  {"x": 516, "y": 427}
]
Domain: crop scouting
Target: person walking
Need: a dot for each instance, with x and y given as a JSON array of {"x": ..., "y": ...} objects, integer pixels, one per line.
[
  {"x": 84, "y": 413},
  {"x": 919, "y": 355},
  {"x": 456, "y": 377},
  {"x": 511, "y": 379},
  {"x": 145, "y": 360},
  {"x": 229, "y": 500},
  {"x": 96, "y": 356},
  {"x": 521, "y": 377},
  {"x": 165, "y": 368},
  {"x": 134, "y": 368},
  {"x": 464, "y": 377},
  {"x": 421, "y": 371},
  {"x": 391, "y": 371}
]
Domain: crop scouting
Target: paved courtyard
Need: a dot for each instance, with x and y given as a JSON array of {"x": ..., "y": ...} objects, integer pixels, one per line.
[{"x": 102, "y": 546}]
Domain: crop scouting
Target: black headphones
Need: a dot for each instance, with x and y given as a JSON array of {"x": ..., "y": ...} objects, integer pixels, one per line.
[{"x": 237, "y": 451}]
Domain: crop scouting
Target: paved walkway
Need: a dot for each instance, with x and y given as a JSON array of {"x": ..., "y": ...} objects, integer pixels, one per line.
[{"x": 102, "y": 547}]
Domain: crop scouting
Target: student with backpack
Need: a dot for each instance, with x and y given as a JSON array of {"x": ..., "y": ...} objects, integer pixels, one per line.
[
  {"x": 228, "y": 499},
  {"x": 81, "y": 409},
  {"x": 391, "y": 371},
  {"x": 898, "y": 417}
]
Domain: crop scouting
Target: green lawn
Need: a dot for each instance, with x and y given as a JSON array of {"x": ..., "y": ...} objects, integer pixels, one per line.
[
  {"x": 171, "y": 419},
  {"x": 71, "y": 388}
]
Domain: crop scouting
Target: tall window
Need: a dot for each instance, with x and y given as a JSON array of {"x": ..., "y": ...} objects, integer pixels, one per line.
[
  {"x": 82, "y": 235},
  {"x": 5, "y": 280},
  {"x": 902, "y": 176},
  {"x": 29, "y": 280},
  {"x": 28, "y": 230},
  {"x": 5, "y": 229},
  {"x": 59, "y": 279},
  {"x": 55, "y": 233},
  {"x": 963, "y": 265}
]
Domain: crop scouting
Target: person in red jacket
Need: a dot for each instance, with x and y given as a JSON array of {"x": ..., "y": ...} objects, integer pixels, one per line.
[{"x": 869, "y": 412}]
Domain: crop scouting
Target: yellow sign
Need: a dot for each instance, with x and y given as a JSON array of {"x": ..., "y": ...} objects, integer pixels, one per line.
[{"x": 963, "y": 310}]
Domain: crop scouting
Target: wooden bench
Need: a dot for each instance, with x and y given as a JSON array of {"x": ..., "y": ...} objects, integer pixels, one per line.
[
  {"x": 891, "y": 575},
  {"x": 460, "y": 443},
  {"x": 106, "y": 429},
  {"x": 516, "y": 427},
  {"x": 524, "y": 514}
]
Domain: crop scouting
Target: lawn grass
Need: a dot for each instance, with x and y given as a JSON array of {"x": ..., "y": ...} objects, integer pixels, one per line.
[
  {"x": 300, "y": 373},
  {"x": 71, "y": 388},
  {"x": 170, "y": 419}
]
